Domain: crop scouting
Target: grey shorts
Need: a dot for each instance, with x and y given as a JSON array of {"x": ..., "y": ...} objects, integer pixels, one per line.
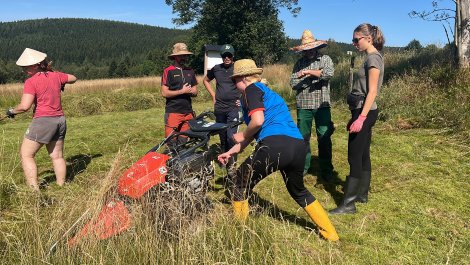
[{"x": 47, "y": 129}]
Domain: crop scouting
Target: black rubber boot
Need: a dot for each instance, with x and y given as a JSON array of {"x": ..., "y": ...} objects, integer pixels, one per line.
[
  {"x": 350, "y": 196},
  {"x": 364, "y": 185}
]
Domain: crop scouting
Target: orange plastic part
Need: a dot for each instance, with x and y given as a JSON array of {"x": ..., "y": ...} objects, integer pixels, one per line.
[
  {"x": 113, "y": 219},
  {"x": 149, "y": 171}
]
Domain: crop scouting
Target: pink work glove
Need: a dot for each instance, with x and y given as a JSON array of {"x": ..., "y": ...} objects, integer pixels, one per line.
[{"x": 356, "y": 126}]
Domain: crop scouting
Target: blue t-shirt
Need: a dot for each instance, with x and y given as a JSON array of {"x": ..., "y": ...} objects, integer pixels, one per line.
[{"x": 277, "y": 118}]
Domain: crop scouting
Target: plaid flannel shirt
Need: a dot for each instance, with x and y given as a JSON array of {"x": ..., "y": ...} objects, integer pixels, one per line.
[{"x": 313, "y": 92}]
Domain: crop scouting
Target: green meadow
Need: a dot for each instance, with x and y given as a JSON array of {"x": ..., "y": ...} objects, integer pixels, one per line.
[{"x": 417, "y": 212}]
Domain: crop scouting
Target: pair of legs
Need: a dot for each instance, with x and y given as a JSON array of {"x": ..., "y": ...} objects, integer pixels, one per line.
[
  {"x": 324, "y": 129},
  {"x": 177, "y": 122},
  {"x": 358, "y": 181},
  {"x": 28, "y": 151},
  {"x": 287, "y": 155},
  {"x": 226, "y": 142},
  {"x": 49, "y": 131},
  {"x": 271, "y": 154},
  {"x": 226, "y": 137}
]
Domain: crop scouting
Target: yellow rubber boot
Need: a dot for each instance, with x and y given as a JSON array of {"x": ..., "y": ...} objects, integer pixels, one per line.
[
  {"x": 320, "y": 218},
  {"x": 241, "y": 210}
]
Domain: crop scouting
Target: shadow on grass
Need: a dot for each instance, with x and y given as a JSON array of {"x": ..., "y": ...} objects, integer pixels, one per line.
[
  {"x": 328, "y": 184},
  {"x": 279, "y": 214},
  {"x": 75, "y": 165}
]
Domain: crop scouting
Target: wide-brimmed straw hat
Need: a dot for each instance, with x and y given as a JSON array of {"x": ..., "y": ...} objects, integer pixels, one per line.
[
  {"x": 245, "y": 67},
  {"x": 309, "y": 42},
  {"x": 179, "y": 49},
  {"x": 30, "y": 57}
]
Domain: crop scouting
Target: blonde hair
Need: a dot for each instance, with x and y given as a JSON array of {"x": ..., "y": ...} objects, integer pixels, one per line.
[
  {"x": 253, "y": 78},
  {"x": 374, "y": 32}
]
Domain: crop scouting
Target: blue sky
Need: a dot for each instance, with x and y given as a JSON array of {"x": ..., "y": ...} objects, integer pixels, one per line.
[{"x": 327, "y": 19}]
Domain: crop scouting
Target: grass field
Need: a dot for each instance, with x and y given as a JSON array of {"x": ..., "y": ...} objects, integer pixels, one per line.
[{"x": 418, "y": 211}]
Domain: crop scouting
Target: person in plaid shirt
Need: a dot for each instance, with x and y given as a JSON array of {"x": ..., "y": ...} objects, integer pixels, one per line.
[{"x": 310, "y": 79}]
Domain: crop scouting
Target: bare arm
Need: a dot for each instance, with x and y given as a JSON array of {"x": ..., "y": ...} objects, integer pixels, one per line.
[
  {"x": 187, "y": 89},
  {"x": 208, "y": 86},
  {"x": 244, "y": 138},
  {"x": 193, "y": 91},
  {"x": 27, "y": 101},
  {"x": 372, "y": 94},
  {"x": 257, "y": 120},
  {"x": 71, "y": 79}
]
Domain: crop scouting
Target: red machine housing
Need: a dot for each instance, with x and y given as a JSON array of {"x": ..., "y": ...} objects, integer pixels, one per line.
[{"x": 149, "y": 171}]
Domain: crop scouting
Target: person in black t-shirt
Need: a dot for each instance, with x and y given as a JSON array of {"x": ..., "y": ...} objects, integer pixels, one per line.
[
  {"x": 226, "y": 98},
  {"x": 179, "y": 84}
]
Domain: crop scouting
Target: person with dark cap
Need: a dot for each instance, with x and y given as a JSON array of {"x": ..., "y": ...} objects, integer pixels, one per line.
[
  {"x": 226, "y": 97},
  {"x": 310, "y": 79},
  {"x": 179, "y": 84}
]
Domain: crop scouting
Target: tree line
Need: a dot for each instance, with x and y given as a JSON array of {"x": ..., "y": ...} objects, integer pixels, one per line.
[
  {"x": 90, "y": 48},
  {"x": 93, "y": 49}
]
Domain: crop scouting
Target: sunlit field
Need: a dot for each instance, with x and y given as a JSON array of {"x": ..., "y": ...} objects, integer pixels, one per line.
[{"x": 417, "y": 214}]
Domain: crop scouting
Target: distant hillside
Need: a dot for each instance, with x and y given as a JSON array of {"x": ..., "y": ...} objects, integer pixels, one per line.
[
  {"x": 78, "y": 40},
  {"x": 91, "y": 48},
  {"x": 88, "y": 48}
]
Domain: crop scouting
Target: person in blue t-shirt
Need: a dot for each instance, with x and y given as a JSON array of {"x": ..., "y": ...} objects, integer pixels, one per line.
[{"x": 280, "y": 146}]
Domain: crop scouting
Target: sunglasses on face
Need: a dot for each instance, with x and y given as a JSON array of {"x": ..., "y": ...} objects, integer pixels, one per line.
[
  {"x": 356, "y": 40},
  {"x": 225, "y": 55}
]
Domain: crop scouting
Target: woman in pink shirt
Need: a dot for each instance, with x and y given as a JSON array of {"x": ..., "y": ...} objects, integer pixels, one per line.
[{"x": 43, "y": 90}]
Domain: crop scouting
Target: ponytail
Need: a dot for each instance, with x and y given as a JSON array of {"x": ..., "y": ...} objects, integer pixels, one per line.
[
  {"x": 46, "y": 66},
  {"x": 376, "y": 34}
]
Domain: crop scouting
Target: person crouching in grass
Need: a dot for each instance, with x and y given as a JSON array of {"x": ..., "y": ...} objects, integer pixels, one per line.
[{"x": 280, "y": 146}]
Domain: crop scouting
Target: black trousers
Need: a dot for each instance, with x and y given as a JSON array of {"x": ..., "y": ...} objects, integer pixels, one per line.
[
  {"x": 273, "y": 153},
  {"x": 359, "y": 144},
  {"x": 227, "y": 117}
]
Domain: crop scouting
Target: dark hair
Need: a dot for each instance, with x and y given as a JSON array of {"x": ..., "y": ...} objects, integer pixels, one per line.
[
  {"x": 46, "y": 66},
  {"x": 367, "y": 29}
]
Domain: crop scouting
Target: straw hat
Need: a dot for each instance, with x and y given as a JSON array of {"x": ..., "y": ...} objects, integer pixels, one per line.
[
  {"x": 30, "y": 57},
  {"x": 179, "y": 49},
  {"x": 309, "y": 42},
  {"x": 245, "y": 67}
]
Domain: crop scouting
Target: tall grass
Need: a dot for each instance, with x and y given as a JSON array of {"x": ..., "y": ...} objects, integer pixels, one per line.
[
  {"x": 91, "y": 97},
  {"x": 416, "y": 210},
  {"x": 421, "y": 88}
]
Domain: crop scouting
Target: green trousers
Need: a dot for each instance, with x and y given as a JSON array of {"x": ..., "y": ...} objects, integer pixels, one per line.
[{"x": 324, "y": 129}]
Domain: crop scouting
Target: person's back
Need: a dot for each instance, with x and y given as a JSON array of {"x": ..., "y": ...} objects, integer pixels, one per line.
[
  {"x": 277, "y": 118},
  {"x": 46, "y": 87}
]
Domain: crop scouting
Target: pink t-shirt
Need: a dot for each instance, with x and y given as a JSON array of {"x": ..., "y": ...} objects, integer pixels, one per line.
[{"x": 45, "y": 86}]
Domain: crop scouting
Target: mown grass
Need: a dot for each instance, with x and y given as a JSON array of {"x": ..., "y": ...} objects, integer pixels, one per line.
[{"x": 417, "y": 212}]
